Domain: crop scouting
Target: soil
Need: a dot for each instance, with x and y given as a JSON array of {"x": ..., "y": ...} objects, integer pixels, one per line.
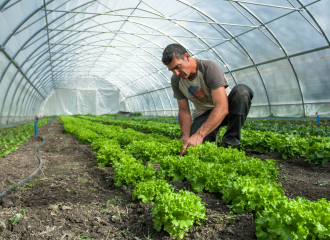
[
  {"x": 300, "y": 178},
  {"x": 72, "y": 198}
]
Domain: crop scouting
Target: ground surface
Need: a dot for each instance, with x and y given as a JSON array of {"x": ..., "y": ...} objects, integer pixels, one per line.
[{"x": 74, "y": 199}]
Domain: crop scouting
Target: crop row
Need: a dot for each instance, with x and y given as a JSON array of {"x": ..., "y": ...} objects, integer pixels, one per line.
[
  {"x": 314, "y": 149},
  {"x": 246, "y": 183},
  {"x": 303, "y": 130},
  {"x": 12, "y": 138}
]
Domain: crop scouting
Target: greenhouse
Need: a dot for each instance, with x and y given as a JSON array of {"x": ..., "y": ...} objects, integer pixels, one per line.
[{"x": 100, "y": 141}]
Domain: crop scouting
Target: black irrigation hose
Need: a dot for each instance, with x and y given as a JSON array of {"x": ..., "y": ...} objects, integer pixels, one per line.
[{"x": 6, "y": 192}]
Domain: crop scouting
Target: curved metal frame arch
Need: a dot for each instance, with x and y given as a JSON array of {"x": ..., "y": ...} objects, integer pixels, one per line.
[
  {"x": 143, "y": 67},
  {"x": 283, "y": 50},
  {"x": 196, "y": 42},
  {"x": 62, "y": 49},
  {"x": 230, "y": 72},
  {"x": 151, "y": 54},
  {"x": 55, "y": 35},
  {"x": 12, "y": 58}
]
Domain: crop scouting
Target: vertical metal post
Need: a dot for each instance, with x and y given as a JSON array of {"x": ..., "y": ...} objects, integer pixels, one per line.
[
  {"x": 318, "y": 119},
  {"x": 35, "y": 128}
]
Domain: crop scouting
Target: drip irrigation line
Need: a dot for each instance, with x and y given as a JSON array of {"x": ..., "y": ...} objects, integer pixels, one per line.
[{"x": 8, "y": 190}]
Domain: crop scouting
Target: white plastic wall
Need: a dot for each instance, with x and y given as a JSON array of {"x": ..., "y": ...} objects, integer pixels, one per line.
[{"x": 71, "y": 101}]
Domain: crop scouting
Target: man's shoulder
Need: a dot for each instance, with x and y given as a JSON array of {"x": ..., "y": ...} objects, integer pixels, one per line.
[
  {"x": 175, "y": 78},
  {"x": 203, "y": 63},
  {"x": 175, "y": 81}
]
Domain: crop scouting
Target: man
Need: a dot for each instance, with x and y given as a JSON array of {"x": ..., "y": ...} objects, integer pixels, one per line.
[{"x": 204, "y": 84}]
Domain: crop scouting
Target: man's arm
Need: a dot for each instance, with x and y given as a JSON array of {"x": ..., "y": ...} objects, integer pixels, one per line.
[
  {"x": 215, "y": 118},
  {"x": 184, "y": 119}
]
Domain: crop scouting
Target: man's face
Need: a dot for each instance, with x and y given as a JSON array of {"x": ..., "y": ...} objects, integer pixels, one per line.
[{"x": 180, "y": 67}]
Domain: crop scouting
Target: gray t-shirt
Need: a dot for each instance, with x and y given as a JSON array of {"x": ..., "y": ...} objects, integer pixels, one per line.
[{"x": 209, "y": 76}]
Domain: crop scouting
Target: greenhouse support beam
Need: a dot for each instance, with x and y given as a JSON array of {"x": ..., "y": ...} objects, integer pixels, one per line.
[
  {"x": 267, "y": 5},
  {"x": 245, "y": 51},
  {"x": 14, "y": 94},
  {"x": 16, "y": 29},
  {"x": 258, "y": 64},
  {"x": 150, "y": 91},
  {"x": 262, "y": 24},
  {"x": 7, "y": 7},
  {"x": 122, "y": 62},
  {"x": 92, "y": 45},
  {"x": 50, "y": 57},
  {"x": 25, "y": 103},
  {"x": 96, "y": 54},
  {"x": 318, "y": 25},
  {"x": 137, "y": 34},
  {"x": 4, "y": 4},
  {"x": 146, "y": 40},
  {"x": 187, "y": 30},
  {"x": 32, "y": 105},
  {"x": 282, "y": 58},
  {"x": 113, "y": 37},
  {"x": 19, "y": 69},
  {"x": 281, "y": 47},
  {"x": 18, "y": 32},
  {"x": 149, "y": 17},
  {"x": 22, "y": 23}
]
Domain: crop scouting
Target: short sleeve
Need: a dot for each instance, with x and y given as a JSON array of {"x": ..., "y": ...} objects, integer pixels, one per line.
[
  {"x": 175, "y": 87},
  {"x": 214, "y": 77}
]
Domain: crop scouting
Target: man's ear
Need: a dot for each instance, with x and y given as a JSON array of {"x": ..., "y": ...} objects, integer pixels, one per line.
[{"x": 187, "y": 57}]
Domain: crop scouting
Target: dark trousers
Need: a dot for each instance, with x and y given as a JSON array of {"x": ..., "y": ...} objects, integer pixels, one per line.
[{"x": 239, "y": 101}]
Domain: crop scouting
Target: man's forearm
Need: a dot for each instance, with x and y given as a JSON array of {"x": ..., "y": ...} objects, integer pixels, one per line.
[
  {"x": 185, "y": 123},
  {"x": 214, "y": 120}
]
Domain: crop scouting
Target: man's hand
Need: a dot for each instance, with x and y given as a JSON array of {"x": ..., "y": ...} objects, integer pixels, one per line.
[
  {"x": 184, "y": 138},
  {"x": 192, "y": 141}
]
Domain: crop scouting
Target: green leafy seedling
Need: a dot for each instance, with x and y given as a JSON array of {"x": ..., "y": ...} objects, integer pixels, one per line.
[
  {"x": 14, "y": 220},
  {"x": 104, "y": 210},
  {"x": 70, "y": 191}
]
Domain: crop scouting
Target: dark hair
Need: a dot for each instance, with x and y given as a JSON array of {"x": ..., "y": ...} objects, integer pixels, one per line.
[{"x": 173, "y": 51}]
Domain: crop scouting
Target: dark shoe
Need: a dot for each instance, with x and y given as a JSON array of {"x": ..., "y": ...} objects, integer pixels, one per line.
[{"x": 226, "y": 145}]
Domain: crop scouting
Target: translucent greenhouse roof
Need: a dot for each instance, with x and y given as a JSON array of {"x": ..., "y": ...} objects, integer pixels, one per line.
[{"x": 279, "y": 48}]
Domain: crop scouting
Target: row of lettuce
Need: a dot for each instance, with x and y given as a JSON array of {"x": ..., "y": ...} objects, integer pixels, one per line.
[
  {"x": 244, "y": 182},
  {"x": 314, "y": 149},
  {"x": 13, "y": 137},
  {"x": 307, "y": 129}
]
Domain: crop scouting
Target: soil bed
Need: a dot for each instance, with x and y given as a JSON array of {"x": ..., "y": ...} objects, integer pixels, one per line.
[
  {"x": 300, "y": 178},
  {"x": 72, "y": 198}
]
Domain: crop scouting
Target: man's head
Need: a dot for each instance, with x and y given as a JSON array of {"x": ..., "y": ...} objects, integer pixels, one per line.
[
  {"x": 173, "y": 51},
  {"x": 177, "y": 60}
]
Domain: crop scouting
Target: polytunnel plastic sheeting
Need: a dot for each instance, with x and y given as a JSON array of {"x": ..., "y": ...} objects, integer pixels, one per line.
[
  {"x": 96, "y": 51},
  {"x": 313, "y": 71},
  {"x": 73, "y": 101}
]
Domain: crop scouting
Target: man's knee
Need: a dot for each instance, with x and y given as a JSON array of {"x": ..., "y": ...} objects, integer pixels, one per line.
[{"x": 244, "y": 92}]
